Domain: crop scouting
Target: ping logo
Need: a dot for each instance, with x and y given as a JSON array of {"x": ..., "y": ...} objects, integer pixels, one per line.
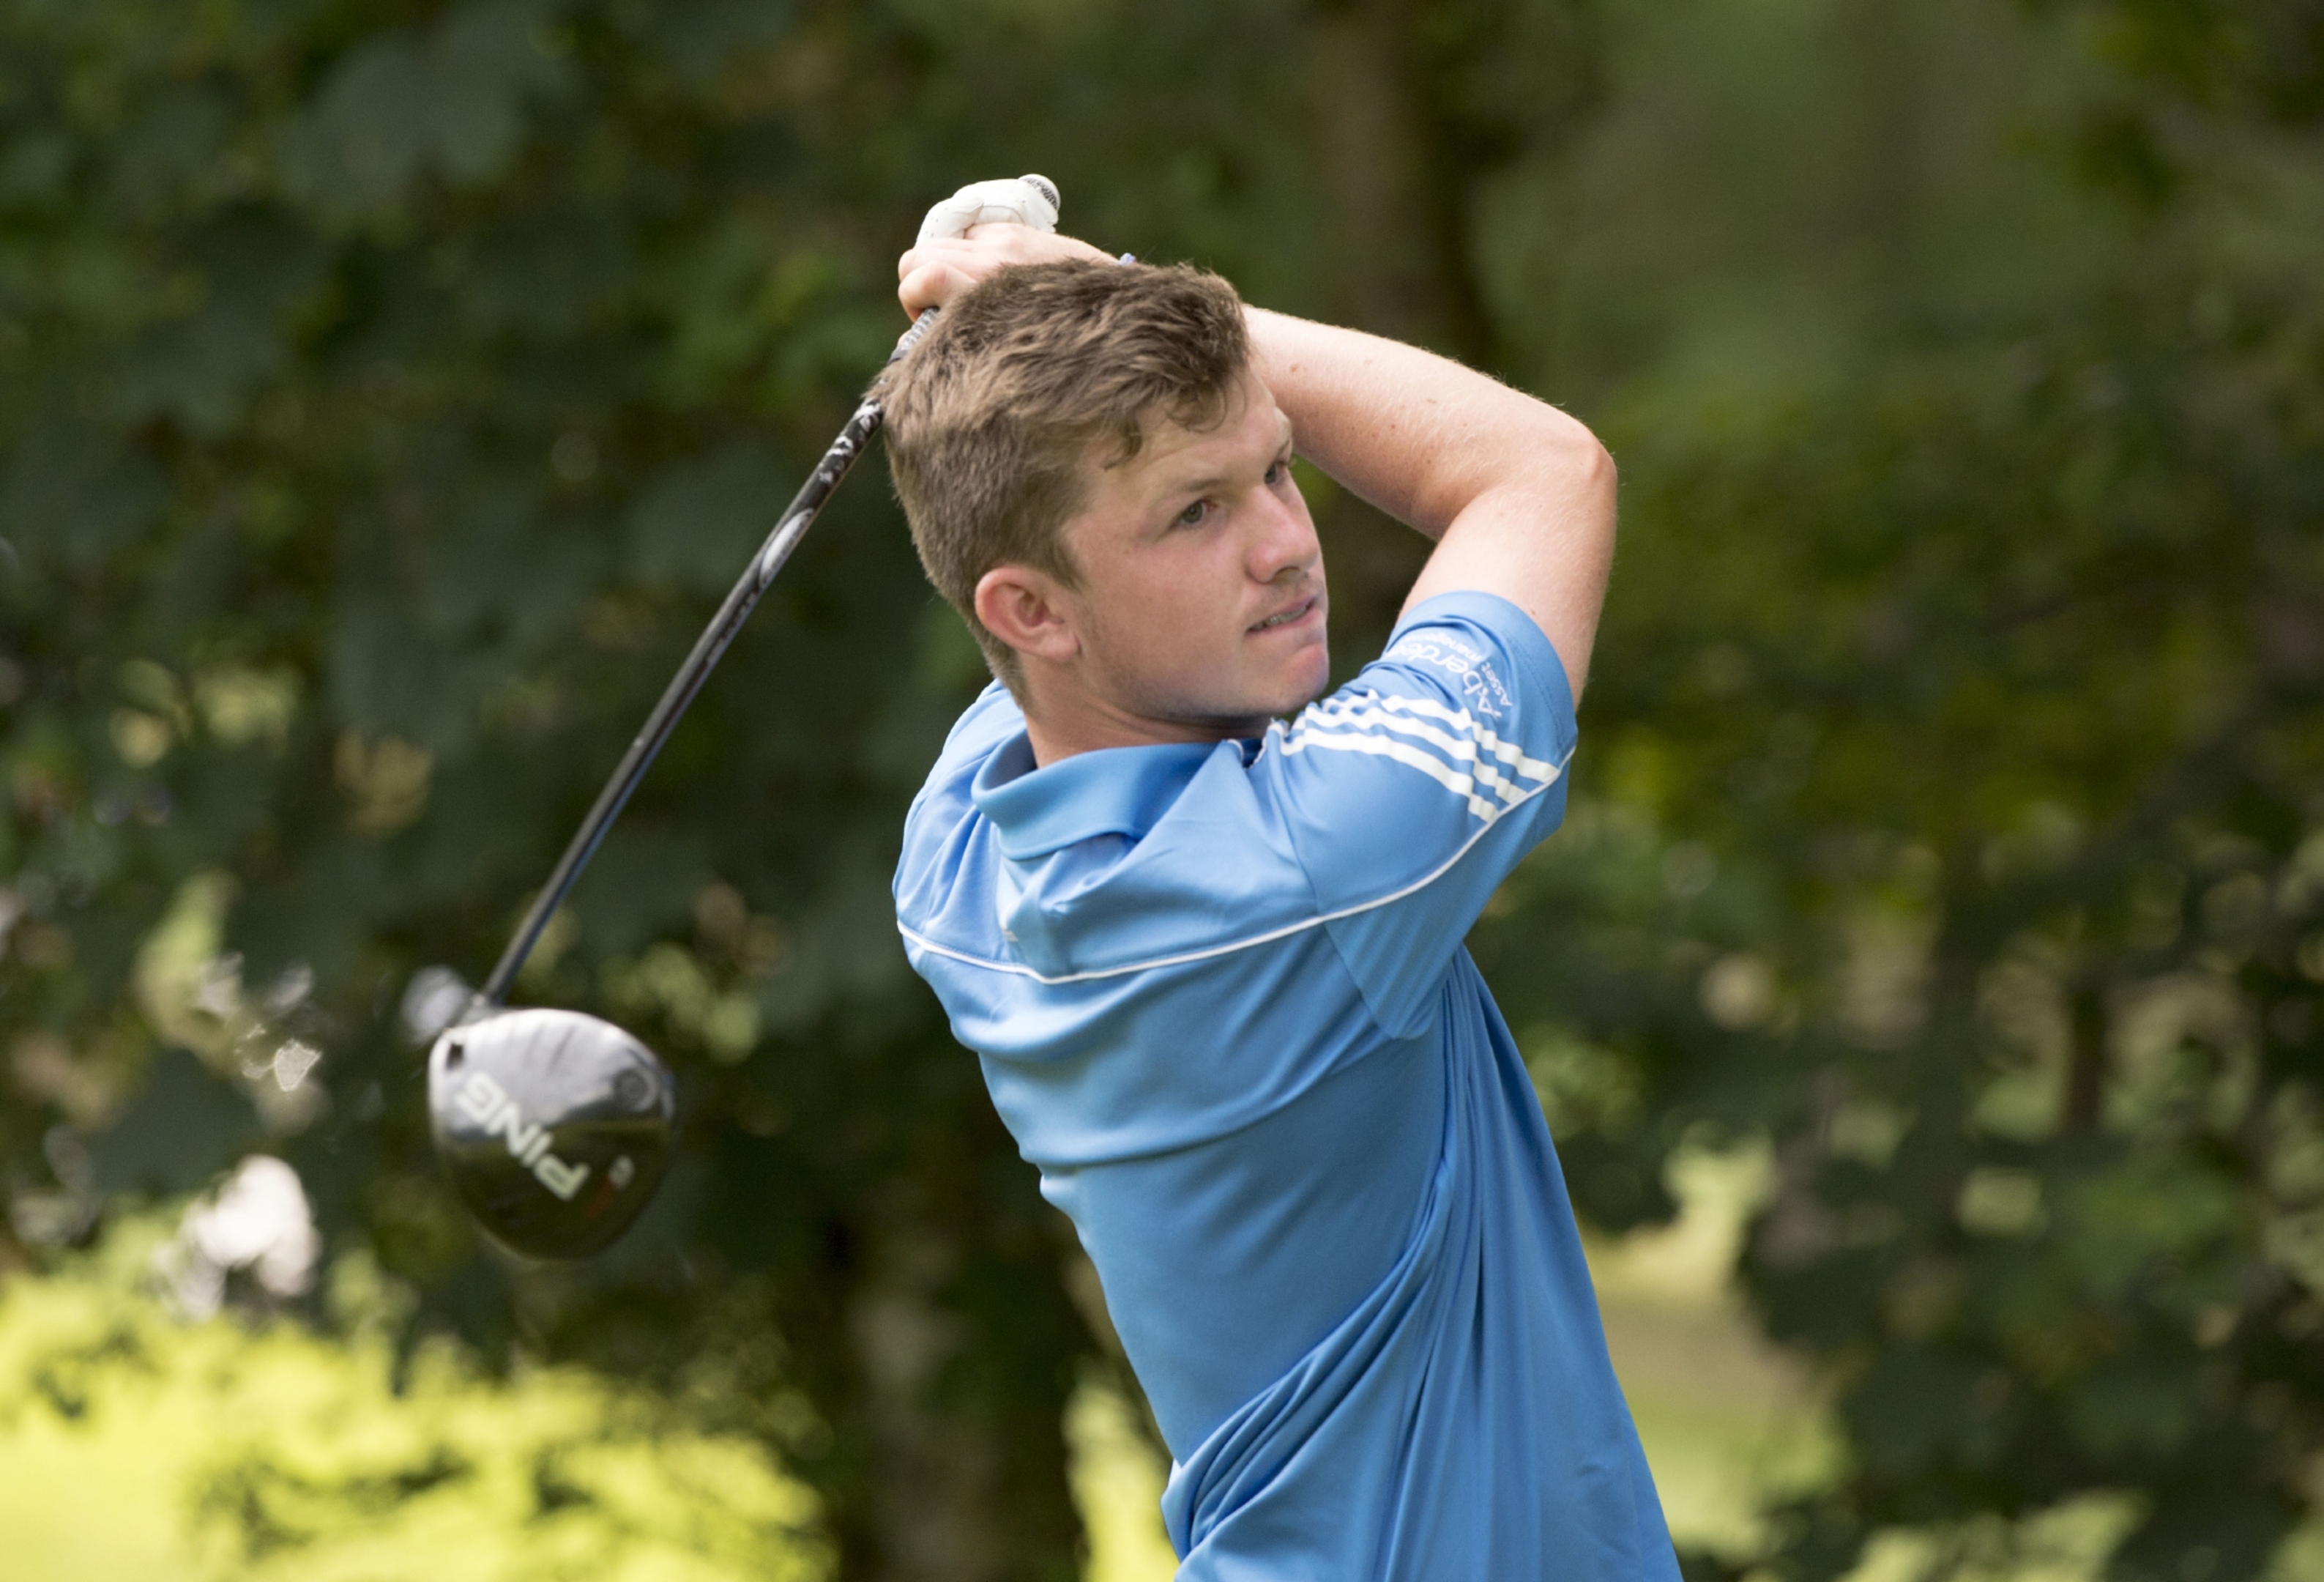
[{"x": 488, "y": 1104}]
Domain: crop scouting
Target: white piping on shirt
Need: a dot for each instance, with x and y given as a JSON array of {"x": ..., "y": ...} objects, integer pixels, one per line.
[{"x": 1422, "y": 883}]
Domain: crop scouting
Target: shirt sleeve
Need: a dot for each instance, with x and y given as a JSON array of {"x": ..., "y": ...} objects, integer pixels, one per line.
[{"x": 1409, "y": 793}]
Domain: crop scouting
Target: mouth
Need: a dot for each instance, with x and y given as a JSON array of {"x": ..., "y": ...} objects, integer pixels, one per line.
[{"x": 1291, "y": 616}]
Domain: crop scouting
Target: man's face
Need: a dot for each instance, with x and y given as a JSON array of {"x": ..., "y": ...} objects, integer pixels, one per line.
[{"x": 1202, "y": 599}]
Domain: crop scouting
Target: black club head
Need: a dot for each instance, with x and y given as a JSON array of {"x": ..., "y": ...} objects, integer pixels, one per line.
[{"x": 556, "y": 1127}]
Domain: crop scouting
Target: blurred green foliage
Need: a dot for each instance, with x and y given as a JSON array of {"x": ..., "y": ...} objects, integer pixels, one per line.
[
  {"x": 388, "y": 390},
  {"x": 1957, "y": 812},
  {"x": 140, "y": 1445}
]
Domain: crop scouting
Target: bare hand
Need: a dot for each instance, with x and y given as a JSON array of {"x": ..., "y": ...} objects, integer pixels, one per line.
[{"x": 932, "y": 275}]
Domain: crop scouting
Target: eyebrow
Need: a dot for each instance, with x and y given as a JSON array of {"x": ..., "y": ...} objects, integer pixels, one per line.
[{"x": 1210, "y": 481}]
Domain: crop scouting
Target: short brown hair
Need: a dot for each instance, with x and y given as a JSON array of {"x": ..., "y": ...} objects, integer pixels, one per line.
[{"x": 1029, "y": 377}]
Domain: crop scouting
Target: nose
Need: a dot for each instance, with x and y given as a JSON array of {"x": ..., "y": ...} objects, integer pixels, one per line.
[{"x": 1283, "y": 542}]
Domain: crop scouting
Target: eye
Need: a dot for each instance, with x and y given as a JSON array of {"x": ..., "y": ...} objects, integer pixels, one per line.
[
  {"x": 1192, "y": 516},
  {"x": 1278, "y": 473}
]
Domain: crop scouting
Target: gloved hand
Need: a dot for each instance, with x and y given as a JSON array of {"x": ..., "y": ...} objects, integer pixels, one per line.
[
  {"x": 983, "y": 227},
  {"x": 1027, "y": 200}
]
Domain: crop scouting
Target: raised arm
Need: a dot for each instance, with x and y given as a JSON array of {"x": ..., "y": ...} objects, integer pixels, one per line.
[{"x": 1518, "y": 496}]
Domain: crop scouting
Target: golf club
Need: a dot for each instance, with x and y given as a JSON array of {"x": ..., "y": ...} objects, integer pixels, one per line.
[{"x": 557, "y": 1126}]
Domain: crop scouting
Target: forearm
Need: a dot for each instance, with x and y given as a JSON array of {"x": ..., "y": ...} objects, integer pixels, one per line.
[
  {"x": 1518, "y": 495},
  {"x": 1418, "y": 436}
]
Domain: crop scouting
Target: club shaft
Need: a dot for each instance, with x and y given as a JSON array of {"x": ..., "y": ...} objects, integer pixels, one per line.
[{"x": 708, "y": 650}]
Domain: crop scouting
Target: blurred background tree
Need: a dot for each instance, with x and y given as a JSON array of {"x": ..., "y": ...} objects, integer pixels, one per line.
[
  {"x": 388, "y": 390},
  {"x": 1956, "y": 824}
]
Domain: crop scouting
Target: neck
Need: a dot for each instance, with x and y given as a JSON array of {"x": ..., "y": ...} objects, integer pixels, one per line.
[{"x": 1062, "y": 720}]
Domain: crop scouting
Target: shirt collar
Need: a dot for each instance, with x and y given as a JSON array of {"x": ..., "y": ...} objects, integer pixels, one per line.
[{"x": 1113, "y": 790}]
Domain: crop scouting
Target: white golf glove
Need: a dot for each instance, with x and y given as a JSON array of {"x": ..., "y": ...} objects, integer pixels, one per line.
[{"x": 1023, "y": 200}]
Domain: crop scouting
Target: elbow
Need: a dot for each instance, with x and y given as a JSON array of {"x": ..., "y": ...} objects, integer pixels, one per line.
[
  {"x": 1601, "y": 485},
  {"x": 1593, "y": 465},
  {"x": 1580, "y": 450},
  {"x": 1576, "y": 466},
  {"x": 1605, "y": 485}
]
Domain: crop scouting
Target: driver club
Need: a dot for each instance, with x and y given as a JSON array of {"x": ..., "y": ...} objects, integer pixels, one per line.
[{"x": 557, "y": 1126}]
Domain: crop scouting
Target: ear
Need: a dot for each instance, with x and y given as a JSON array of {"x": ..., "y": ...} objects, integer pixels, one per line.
[{"x": 1026, "y": 610}]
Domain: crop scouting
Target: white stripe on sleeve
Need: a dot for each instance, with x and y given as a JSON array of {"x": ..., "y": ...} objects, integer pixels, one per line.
[
  {"x": 1401, "y": 729},
  {"x": 1332, "y": 710},
  {"x": 1381, "y": 747}
]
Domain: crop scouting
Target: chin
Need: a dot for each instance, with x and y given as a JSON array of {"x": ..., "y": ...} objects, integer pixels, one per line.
[
  {"x": 1309, "y": 685},
  {"x": 1293, "y": 702},
  {"x": 1285, "y": 702}
]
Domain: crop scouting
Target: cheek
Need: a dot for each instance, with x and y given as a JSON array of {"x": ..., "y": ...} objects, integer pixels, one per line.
[
  {"x": 1174, "y": 616},
  {"x": 1187, "y": 592},
  {"x": 1143, "y": 612}
]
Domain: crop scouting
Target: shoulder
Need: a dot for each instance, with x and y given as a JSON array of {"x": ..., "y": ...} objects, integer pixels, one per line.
[
  {"x": 1465, "y": 720},
  {"x": 1484, "y": 652},
  {"x": 1154, "y": 856},
  {"x": 986, "y": 726},
  {"x": 993, "y": 718},
  {"x": 944, "y": 806},
  {"x": 1467, "y": 691},
  {"x": 1100, "y": 866}
]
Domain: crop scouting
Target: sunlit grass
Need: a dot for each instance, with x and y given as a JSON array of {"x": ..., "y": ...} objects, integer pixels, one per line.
[
  {"x": 1117, "y": 1478},
  {"x": 134, "y": 1446},
  {"x": 1727, "y": 1420}
]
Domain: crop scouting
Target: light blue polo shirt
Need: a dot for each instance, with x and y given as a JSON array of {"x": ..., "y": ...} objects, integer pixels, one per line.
[{"x": 1220, "y": 999}]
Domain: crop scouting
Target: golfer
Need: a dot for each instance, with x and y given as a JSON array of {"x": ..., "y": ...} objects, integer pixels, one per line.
[{"x": 1204, "y": 929}]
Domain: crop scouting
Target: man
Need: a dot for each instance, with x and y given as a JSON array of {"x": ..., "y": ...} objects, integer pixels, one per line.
[{"x": 1212, "y": 962}]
